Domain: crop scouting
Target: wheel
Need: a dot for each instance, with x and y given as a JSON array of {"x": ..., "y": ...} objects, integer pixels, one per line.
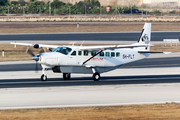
[
  {"x": 96, "y": 76},
  {"x": 66, "y": 76},
  {"x": 43, "y": 77}
]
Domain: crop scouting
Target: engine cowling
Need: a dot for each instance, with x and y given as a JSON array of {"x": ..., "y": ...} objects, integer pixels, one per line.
[{"x": 36, "y": 46}]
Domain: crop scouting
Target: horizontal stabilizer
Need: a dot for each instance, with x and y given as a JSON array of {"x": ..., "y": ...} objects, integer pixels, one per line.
[{"x": 153, "y": 52}]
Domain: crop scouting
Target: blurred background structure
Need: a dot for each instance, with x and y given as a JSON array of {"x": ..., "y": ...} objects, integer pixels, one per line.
[{"x": 89, "y": 7}]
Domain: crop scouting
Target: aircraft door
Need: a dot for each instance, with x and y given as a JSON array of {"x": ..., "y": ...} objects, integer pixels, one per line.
[
  {"x": 73, "y": 58},
  {"x": 79, "y": 57}
]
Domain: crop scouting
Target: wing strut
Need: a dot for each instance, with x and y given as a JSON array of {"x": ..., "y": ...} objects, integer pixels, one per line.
[{"x": 92, "y": 57}]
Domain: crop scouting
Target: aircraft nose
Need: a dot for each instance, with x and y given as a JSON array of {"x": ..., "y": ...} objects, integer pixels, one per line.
[{"x": 36, "y": 57}]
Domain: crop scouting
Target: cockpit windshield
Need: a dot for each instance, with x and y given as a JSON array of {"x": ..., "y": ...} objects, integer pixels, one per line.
[{"x": 63, "y": 50}]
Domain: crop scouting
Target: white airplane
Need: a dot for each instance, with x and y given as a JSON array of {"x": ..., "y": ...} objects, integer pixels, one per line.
[{"x": 91, "y": 59}]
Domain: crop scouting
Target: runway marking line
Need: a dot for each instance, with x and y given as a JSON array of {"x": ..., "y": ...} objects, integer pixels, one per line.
[{"x": 90, "y": 80}]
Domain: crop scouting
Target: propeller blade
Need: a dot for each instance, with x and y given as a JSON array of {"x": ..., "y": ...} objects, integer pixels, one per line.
[
  {"x": 50, "y": 49},
  {"x": 30, "y": 52},
  {"x": 42, "y": 50},
  {"x": 36, "y": 67}
]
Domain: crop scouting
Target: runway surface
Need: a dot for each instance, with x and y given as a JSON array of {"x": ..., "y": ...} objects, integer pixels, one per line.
[
  {"x": 136, "y": 85},
  {"x": 24, "y": 89},
  {"x": 122, "y": 36}
]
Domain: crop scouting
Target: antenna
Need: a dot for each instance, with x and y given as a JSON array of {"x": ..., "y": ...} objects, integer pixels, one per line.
[
  {"x": 72, "y": 43},
  {"x": 82, "y": 43}
]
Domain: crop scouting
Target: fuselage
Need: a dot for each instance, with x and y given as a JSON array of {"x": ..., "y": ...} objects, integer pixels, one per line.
[{"x": 106, "y": 59}]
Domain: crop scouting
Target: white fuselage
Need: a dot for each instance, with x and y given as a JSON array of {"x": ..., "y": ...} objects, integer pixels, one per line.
[{"x": 73, "y": 63}]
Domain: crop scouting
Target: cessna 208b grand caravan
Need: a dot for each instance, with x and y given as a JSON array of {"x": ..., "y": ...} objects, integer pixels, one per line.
[{"x": 91, "y": 59}]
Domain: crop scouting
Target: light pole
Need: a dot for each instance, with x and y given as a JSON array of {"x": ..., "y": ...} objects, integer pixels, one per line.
[
  {"x": 54, "y": 11},
  {"x": 8, "y": 12},
  {"x": 49, "y": 8},
  {"x": 39, "y": 10},
  {"x": 85, "y": 10},
  {"x": 69, "y": 11},
  {"x": 100, "y": 10}
]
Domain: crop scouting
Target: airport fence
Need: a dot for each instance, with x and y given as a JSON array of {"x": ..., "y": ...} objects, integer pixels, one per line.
[{"x": 91, "y": 18}]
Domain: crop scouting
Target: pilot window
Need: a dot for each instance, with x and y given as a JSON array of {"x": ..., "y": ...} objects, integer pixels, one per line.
[
  {"x": 101, "y": 54},
  {"x": 79, "y": 52},
  {"x": 93, "y": 53},
  {"x": 117, "y": 54},
  {"x": 112, "y": 54},
  {"x": 107, "y": 54},
  {"x": 73, "y": 53},
  {"x": 86, "y": 53},
  {"x": 63, "y": 50}
]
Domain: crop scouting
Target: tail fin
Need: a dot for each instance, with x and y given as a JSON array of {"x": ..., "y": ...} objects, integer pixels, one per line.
[{"x": 145, "y": 37}]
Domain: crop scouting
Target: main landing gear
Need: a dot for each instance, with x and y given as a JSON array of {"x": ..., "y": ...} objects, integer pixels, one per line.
[
  {"x": 43, "y": 77},
  {"x": 66, "y": 76},
  {"x": 96, "y": 76}
]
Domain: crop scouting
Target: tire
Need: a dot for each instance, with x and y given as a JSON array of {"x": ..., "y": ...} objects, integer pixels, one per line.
[
  {"x": 96, "y": 76},
  {"x": 66, "y": 76},
  {"x": 43, "y": 77}
]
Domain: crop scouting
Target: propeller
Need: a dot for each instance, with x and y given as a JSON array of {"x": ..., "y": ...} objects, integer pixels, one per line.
[{"x": 35, "y": 57}]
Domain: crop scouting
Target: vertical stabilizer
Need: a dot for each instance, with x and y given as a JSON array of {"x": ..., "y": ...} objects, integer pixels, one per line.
[{"x": 145, "y": 37}]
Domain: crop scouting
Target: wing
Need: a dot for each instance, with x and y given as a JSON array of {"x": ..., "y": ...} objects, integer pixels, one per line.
[
  {"x": 91, "y": 48},
  {"x": 36, "y": 45}
]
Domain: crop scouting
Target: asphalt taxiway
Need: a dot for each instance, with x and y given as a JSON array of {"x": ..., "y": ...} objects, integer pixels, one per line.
[
  {"x": 24, "y": 89},
  {"x": 112, "y": 36}
]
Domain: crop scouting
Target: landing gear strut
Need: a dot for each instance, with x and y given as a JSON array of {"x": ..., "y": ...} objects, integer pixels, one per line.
[
  {"x": 43, "y": 76},
  {"x": 66, "y": 76},
  {"x": 96, "y": 76}
]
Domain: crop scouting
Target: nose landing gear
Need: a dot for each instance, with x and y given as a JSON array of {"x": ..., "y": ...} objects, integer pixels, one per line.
[{"x": 43, "y": 76}]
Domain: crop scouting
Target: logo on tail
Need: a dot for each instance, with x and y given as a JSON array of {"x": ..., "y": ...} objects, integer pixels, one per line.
[{"x": 145, "y": 39}]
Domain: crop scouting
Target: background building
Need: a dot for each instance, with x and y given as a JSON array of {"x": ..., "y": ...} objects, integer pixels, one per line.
[{"x": 164, "y": 3}]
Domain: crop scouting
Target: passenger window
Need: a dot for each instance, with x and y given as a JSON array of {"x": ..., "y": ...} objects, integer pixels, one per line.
[
  {"x": 117, "y": 54},
  {"x": 86, "y": 53},
  {"x": 101, "y": 54},
  {"x": 73, "y": 53},
  {"x": 112, "y": 54},
  {"x": 79, "y": 52},
  {"x": 93, "y": 53},
  {"x": 107, "y": 54}
]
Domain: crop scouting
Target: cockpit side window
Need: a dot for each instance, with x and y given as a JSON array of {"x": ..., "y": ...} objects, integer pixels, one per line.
[
  {"x": 63, "y": 50},
  {"x": 55, "y": 49}
]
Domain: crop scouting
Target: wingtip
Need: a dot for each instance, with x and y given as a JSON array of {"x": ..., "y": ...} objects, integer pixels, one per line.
[{"x": 167, "y": 52}]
